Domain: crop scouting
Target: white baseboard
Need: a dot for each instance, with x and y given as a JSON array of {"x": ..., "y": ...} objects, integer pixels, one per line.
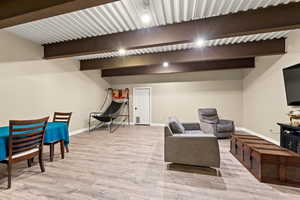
[
  {"x": 123, "y": 123},
  {"x": 157, "y": 124},
  {"x": 76, "y": 132},
  {"x": 132, "y": 124},
  {"x": 257, "y": 134},
  {"x": 240, "y": 129}
]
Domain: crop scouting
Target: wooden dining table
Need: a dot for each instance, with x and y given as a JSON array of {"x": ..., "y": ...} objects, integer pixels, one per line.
[{"x": 54, "y": 131}]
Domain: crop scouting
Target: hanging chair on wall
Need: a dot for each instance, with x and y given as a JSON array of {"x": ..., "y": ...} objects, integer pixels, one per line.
[{"x": 115, "y": 111}]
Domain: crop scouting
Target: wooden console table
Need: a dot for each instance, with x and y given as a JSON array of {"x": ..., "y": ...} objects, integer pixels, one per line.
[{"x": 268, "y": 162}]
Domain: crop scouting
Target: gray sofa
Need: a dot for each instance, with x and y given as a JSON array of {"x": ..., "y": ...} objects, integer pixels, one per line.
[
  {"x": 191, "y": 146},
  {"x": 210, "y": 123}
]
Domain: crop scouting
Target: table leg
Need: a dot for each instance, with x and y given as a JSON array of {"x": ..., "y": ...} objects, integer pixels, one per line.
[
  {"x": 62, "y": 149},
  {"x": 29, "y": 162},
  {"x": 51, "y": 152},
  {"x": 67, "y": 148}
]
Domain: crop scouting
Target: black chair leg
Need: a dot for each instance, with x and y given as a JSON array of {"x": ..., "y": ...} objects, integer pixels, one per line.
[{"x": 29, "y": 162}]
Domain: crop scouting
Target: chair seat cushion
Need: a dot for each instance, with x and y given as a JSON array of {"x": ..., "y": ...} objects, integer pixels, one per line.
[
  {"x": 224, "y": 127},
  {"x": 175, "y": 126},
  {"x": 196, "y": 133},
  {"x": 193, "y": 132},
  {"x": 24, "y": 153}
]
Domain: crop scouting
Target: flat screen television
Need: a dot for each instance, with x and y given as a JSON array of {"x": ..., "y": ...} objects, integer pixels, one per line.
[{"x": 292, "y": 84}]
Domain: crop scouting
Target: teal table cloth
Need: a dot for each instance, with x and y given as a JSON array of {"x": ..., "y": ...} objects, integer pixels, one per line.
[{"x": 54, "y": 131}]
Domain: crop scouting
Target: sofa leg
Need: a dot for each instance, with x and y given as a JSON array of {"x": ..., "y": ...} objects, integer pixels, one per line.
[{"x": 218, "y": 172}]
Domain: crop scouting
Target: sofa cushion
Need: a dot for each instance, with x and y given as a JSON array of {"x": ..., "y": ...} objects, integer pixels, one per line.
[
  {"x": 197, "y": 135},
  {"x": 224, "y": 127},
  {"x": 175, "y": 126},
  {"x": 193, "y": 132}
]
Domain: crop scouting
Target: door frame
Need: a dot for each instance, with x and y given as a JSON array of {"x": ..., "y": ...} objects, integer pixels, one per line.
[{"x": 150, "y": 104}]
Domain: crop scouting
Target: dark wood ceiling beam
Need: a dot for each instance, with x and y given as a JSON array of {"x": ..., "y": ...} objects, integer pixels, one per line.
[
  {"x": 14, "y": 12},
  {"x": 276, "y": 18},
  {"x": 181, "y": 67},
  {"x": 235, "y": 51}
]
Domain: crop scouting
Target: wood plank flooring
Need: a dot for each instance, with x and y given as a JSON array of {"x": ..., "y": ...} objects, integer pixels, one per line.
[{"x": 128, "y": 164}]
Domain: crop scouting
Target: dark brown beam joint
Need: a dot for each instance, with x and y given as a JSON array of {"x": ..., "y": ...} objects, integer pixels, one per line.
[
  {"x": 235, "y": 51},
  {"x": 242, "y": 23},
  {"x": 181, "y": 67},
  {"x": 14, "y": 12}
]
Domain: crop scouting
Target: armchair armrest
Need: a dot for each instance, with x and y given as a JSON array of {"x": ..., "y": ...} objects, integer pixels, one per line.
[
  {"x": 191, "y": 126},
  {"x": 224, "y": 121},
  {"x": 207, "y": 121}
]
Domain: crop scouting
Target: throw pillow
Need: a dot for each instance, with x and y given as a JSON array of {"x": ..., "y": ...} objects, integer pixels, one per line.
[{"x": 175, "y": 126}]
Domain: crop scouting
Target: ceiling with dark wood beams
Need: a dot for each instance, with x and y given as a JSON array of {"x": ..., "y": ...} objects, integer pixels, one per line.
[
  {"x": 235, "y": 51},
  {"x": 15, "y": 12},
  {"x": 257, "y": 21},
  {"x": 95, "y": 35},
  {"x": 242, "y": 63}
]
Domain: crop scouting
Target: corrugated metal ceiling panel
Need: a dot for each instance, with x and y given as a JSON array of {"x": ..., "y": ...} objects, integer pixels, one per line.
[{"x": 126, "y": 16}]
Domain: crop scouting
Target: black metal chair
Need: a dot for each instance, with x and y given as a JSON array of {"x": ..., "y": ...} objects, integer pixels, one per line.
[{"x": 109, "y": 115}]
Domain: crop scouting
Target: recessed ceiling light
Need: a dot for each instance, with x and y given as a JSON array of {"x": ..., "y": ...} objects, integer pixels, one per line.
[
  {"x": 165, "y": 64},
  {"x": 146, "y": 18},
  {"x": 200, "y": 42},
  {"x": 122, "y": 52}
]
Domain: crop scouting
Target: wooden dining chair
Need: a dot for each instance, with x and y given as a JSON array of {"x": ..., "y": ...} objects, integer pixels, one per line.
[
  {"x": 60, "y": 117},
  {"x": 25, "y": 141}
]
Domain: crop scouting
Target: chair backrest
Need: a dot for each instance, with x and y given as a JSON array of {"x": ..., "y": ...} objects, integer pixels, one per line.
[
  {"x": 114, "y": 108},
  {"x": 208, "y": 115},
  {"x": 25, "y": 135},
  {"x": 62, "y": 117}
]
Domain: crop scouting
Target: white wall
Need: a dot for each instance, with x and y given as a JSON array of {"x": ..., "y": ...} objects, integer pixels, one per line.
[
  {"x": 264, "y": 97},
  {"x": 191, "y": 91},
  {"x": 255, "y": 100},
  {"x": 31, "y": 87}
]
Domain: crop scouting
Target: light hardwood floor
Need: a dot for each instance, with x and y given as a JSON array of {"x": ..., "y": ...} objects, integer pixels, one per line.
[{"x": 128, "y": 164}]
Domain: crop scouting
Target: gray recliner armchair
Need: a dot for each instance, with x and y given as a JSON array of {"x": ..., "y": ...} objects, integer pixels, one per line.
[
  {"x": 186, "y": 144},
  {"x": 210, "y": 123}
]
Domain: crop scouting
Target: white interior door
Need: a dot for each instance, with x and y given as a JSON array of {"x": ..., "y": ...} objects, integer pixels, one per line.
[{"x": 142, "y": 106}]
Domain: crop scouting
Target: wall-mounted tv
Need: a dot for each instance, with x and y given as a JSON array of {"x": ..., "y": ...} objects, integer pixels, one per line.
[{"x": 292, "y": 84}]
